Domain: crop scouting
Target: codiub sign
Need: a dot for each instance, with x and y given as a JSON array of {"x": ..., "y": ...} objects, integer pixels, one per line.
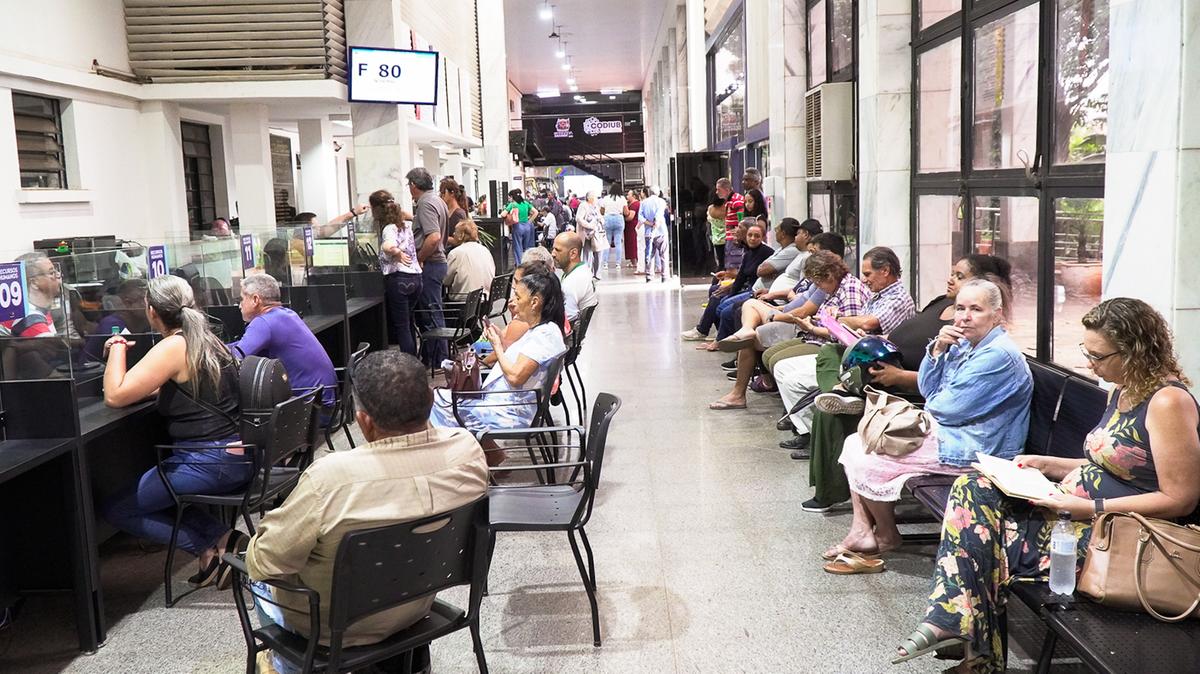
[{"x": 595, "y": 127}]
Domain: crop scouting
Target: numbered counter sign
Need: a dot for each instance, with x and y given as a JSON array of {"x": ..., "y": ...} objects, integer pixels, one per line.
[
  {"x": 351, "y": 241},
  {"x": 12, "y": 291},
  {"x": 156, "y": 259},
  {"x": 308, "y": 242},
  {"x": 247, "y": 251}
]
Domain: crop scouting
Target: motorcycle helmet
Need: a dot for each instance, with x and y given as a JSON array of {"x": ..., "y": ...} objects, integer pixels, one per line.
[{"x": 861, "y": 356}]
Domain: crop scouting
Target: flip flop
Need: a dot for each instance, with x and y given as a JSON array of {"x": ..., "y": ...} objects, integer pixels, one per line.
[
  {"x": 722, "y": 405},
  {"x": 735, "y": 344},
  {"x": 705, "y": 346},
  {"x": 832, "y": 553},
  {"x": 923, "y": 641},
  {"x": 850, "y": 564}
]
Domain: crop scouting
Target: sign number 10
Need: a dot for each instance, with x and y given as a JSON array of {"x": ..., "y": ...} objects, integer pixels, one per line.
[{"x": 10, "y": 294}]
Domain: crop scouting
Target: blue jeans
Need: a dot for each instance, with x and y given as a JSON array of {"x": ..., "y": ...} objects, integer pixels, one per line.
[
  {"x": 430, "y": 302},
  {"x": 716, "y": 306},
  {"x": 729, "y": 314},
  {"x": 144, "y": 509},
  {"x": 522, "y": 238},
  {"x": 614, "y": 227},
  {"x": 402, "y": 291}
]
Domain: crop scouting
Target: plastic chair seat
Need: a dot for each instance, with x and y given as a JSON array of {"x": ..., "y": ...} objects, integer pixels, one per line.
[
  {"x": 443, "y": 619},
  {"x": 545, "y": 508},
  {"x": 441, "y": 333},
  {"x": 282, "y": 479}
]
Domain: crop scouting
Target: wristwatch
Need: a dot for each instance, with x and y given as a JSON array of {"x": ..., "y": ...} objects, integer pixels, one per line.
[{"x": 1098, "y": 504}]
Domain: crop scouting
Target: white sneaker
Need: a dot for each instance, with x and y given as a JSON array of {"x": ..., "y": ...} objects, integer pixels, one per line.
[
  {"x": 832, "y": 403},
  {"x": 692, "y": 335}
]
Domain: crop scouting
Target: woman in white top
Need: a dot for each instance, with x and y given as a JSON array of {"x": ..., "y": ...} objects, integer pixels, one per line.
[
  {"x": 613, "y": 209},
  {"x": 402, "y": 276},
  {"x": 588, "y": 225}
]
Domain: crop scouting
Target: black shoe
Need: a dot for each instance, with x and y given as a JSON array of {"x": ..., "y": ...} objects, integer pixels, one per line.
[
  {"x": 731, "y": 376},
  {"x": 795, "y": 442},
  {"x": 801, "y": 454},
  {"x": 207, "y": 575},
  {"x": 729, "y": 365},
  {"x": 785, "y": 424},
  {"x": 812, "y": 505}
]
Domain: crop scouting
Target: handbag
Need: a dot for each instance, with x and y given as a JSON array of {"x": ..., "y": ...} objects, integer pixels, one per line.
[
  {"x": 891, "y": 425},
  {"x": 464, "y": 374},
  {"x": 600, "y": 241},
  {"x": 1137, "y": 563}
]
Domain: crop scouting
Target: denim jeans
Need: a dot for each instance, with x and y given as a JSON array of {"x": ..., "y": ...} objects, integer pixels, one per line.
[
  {"x": 614, "y": 227},
  {"x": 522, "y": 238},
  {"x": 717, "y": 305},
  {"x": 145, "y": 509},
  {"x": 729, "y": 314},
  {"x": 430, "y": 302},
  {"x": 402, "y": 291}
]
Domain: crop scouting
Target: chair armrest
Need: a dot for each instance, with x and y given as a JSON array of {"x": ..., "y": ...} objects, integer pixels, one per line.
[
  {"x": 519, "y": 433},
  {"x": 540, "y": 466},
  {"x": 239, "y": 565}
]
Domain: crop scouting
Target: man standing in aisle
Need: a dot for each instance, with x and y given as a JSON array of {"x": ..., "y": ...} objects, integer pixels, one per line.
[
  {"x": 653, "y": 216},
  {"x": 429, "y": 221}
]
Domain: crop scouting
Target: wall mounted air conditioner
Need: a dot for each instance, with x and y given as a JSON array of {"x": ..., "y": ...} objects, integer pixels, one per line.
[{"x": 829, "y": 132}]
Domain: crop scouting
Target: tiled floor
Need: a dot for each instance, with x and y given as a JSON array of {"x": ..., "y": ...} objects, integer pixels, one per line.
[{"x": 705, "y": 562}]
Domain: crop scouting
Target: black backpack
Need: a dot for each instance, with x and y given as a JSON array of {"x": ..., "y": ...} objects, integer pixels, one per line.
[{"x": 262, "y": 384}]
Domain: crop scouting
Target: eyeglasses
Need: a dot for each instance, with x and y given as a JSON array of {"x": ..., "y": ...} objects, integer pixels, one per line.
[
  {"x": 1093, "y": 358},
  {"x": 53, "y": 272}
]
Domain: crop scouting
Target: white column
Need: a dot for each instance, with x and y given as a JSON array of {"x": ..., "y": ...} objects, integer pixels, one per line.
[
  {"x": 697, "y": 91},
  {"x": 1152, "y": 169},
  {"x": 318, "y": 169},
  {"x": 252, "y": 167},
  {"x": 884, "y": 119},
  {"x": 164, "y": 196},
  {"x": 493, "y": 84},
  {"x": 789, "y": 189}
]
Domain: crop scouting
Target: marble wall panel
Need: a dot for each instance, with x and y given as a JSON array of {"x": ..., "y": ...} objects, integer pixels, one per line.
[
  {"x": 1144, "y": 53},
  {"x": 1140, "y": 226}
]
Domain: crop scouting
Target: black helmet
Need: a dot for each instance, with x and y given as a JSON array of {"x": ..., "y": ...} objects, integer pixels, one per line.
[{"x": 858, "y": 359}]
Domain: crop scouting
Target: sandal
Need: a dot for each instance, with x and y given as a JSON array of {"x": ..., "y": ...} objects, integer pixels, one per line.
[
  {"x": 722, "y": 405},
  {"x": 923, "y": 641},
  {"x": 839, "y": 549},
  {"x": 735, "y": 344},
  {"x": 850, "y": 564}
]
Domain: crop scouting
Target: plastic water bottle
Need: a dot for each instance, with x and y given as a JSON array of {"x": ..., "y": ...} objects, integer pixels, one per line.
[{"x": 1062, "y": 556}]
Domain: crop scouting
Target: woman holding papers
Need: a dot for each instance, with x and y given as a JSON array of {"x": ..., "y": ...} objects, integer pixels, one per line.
[
  {"x": 1144, "y": 457},
  {"x": 977, "y": 389}
]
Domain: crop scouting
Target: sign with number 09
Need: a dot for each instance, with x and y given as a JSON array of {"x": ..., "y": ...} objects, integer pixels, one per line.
[{"x": 12, "y": 291}]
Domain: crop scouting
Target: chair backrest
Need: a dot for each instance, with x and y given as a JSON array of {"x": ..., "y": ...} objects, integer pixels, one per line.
[
  {"x": 1048, "y": 385},
  {"x": 603, "y": 410},
  {"x": 468, "y": 317},
  {"x": 579, "y": 328},
  {"x": 379, "y": 568},
  {"x": 288, "y": 434},
  {"x": 343, "y": 412},
  {"x": 1079, "y": 410},
  {"x": 498, "y": 295},
  {"x": 553, "y": 371}
]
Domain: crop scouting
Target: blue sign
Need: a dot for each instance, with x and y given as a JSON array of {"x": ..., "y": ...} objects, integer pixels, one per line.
[
  {"x": 12, "y": 291},
  {"x": 156, "y": 261},
  {"x": 308, "y": 242},
  {"x": 351, "y": 240},
  {"x": 247, "y": 251}
]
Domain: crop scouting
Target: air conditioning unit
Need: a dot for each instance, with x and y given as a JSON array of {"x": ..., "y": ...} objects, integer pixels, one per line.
[{"x": 829, "y": 132}]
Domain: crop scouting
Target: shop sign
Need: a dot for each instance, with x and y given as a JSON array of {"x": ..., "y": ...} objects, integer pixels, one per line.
[
  {"x": 594, "y": 127},
  {"x": 562, "y": 128},
  {"x": 247, "y": 251},
  {"x": 12, "y": 291},
  {"x": 156, "y": 261}
]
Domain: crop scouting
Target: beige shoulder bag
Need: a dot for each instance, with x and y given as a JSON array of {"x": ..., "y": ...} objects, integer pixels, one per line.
[
  {"x": 892, "y": 425},
  {"x": 1134, "y": 563}
]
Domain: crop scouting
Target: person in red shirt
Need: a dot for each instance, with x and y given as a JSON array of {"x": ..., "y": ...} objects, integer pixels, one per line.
[
  {"x": 43, "y": 284},
  {"x": 735, "y": 206}
]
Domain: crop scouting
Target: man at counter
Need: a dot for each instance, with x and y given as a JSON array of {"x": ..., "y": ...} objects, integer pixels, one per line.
[
  {"x": 44, "y": 285},
  {"x": 128, "y": 317},
  {"x": 429, "y": 221},
  {"x": 274, "y": 331}
]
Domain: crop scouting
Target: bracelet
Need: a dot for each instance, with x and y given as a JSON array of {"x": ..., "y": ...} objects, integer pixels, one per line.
[{"x": 1098, "y": 505}]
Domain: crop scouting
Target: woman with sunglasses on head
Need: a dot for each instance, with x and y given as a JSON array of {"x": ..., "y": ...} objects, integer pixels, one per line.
[{"x": 1143, "y": 457}]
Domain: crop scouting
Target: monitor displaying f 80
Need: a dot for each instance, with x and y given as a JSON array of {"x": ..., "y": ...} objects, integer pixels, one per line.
[{"x": 393, "y": 76}]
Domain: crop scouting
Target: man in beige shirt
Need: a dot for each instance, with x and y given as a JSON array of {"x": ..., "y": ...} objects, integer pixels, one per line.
[{"x": 406, "y": 471}]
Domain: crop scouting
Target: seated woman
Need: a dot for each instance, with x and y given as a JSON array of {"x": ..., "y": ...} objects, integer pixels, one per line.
[
  {"x": 837, "y": 414},
  {"x": 977, "y": 388},
  {"x": 755, "y": 254},
  {"x": 195, "y": 380},
  {"x": 1143, "y": 457},
  {"x": 521, "y": 368}
]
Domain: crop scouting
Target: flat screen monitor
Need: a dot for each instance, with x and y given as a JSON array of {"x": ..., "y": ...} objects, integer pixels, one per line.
[
  {"x": 330, "y": 253},
  {"x": 406, "y": 76}
]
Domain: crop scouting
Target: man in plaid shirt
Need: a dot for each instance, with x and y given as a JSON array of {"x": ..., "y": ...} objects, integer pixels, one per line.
[{"x": 890, "y": 304}]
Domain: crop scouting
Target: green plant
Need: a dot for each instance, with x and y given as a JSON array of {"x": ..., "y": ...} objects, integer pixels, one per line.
[{"x": 1083, "y": 219}]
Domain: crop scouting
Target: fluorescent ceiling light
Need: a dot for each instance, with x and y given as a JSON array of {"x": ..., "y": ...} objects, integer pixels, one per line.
[
  {"x": 560, "y": 52},
  {"x": 574, "y": 87},
  {"x": 545, "y": 13},
  {"x": 548, "y": 93},
  {"x": 566, "y": 66},
  {"x": 612, "y": 91},
  {"x": 570, "y": 80}
]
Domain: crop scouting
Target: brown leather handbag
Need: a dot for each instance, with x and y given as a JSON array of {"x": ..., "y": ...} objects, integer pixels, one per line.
[
  {"x": 1135, "y": 563},
  {"x": 891, "y": 425}
]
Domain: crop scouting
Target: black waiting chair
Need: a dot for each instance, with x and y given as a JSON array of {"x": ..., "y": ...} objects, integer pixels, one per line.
[
  {"x": 497, "y": 297},
  {"x": 375, "y": 570},
  {"x": 342, "y": 415},
  {"x": 564, "y": 506},
  {"x": 579, "y": 328},
  {"x": 462, "y": 329},
  {"x": 274, "y": 476}
]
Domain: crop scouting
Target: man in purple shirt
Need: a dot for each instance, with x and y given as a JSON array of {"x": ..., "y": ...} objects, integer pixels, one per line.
[{"x": 274, "y": 331}]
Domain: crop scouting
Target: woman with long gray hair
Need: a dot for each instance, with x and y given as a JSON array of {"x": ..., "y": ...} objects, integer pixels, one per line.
[{"x": 195, "y": 380}]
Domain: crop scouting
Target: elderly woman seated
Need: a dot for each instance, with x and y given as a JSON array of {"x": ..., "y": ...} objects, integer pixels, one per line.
[
  {"x": 1143, "y": 457},
  {"x": 509, "y": 399},
  {"x": 977, "y": 388}
]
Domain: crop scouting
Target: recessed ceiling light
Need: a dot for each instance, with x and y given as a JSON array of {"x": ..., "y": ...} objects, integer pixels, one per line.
[
  {"x": 545, "y": 12},
  {"x": 612, "y": 98},
  {"x": 566, "y": 66},
  {"x": 560, "y": 52},
  {"x": 548, "y": 93},
  {"x": 574, "y": 87},
  {"x": 570, "y": 80}
]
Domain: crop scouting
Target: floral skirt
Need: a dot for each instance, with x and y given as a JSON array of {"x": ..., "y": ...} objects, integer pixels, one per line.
[{"x": 880, "y": 477}]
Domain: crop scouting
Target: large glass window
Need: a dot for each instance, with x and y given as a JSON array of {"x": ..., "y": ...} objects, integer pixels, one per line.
[
  {"x": 939, "y": 108},
  {"x": 729, "y": 85},
  {"x": 841, "y": 36},
  {"x": 1006, "y": 87},
  {"x": 1007, "y": 227},
  {"x": 198, "y": 176},
  {"x": 1078, "y": 252},
  {"x": 817, "y": 61},
  {"x": 932, "y": 11},
  {"x": 40, "y": 154},
  {"x": 940, "y": 222},
  {"x": 1081, "y": 81}
]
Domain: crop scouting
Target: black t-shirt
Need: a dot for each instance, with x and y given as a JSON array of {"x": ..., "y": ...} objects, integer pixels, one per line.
[{"x": 913, "y": 335}]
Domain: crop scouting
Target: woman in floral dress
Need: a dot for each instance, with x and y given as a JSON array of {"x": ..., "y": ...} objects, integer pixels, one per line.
[{"x": 1143, "y": 457}]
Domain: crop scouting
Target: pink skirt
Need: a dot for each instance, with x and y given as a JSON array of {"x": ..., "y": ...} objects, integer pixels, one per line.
[{"x": 880, "y": 477}]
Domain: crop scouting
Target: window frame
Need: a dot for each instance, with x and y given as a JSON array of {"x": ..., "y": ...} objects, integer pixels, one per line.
[
  {"x": 735, "y": 18},
  {"x": 1043, "y": 180},
  {"x": 56, "y": 116},
  {"x": 850, "y": 72},
  {"x": 197, "y": 220}
]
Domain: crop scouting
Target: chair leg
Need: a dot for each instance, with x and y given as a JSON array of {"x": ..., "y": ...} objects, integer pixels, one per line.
[
  {"x": 574, "y": 394},
  {"x": 587, "y": 547},
  {"x": 1047, "y": 655},
  {"x": 170, "y": 564},
  {"x": 477, "y": 642},
  {"x": 491, "y": 551},
  {"x": 587, "y": 586},
  {"x": 349, "y": 435},
  {"x": 329, "y": 437},
  {"x": 246, "y": 519},
  {"x": 582, "y": 395}
]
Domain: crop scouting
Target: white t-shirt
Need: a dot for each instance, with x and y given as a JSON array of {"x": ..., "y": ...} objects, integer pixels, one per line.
[
  {"x": 614, "y": 206},
  {"x": 579, "y": 290},
  {"x": 791, "y": 275}
]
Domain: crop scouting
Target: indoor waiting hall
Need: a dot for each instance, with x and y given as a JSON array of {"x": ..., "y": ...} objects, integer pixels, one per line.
[{"x": 383, "y": 336}]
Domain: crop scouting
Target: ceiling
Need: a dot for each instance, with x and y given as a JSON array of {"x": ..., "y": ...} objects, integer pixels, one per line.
[{"x": 609, "y": 43}]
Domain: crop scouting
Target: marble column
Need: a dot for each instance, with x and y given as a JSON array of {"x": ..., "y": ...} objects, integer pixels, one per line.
[
  {"x": 697, "y": 91},
  {"x": 164, "y": 189},
  {"x": 1152, "y": 168},
  {"x": 251, "y": 142},
  {"x": 785, "y": 182},
  {"x": 884, "y": 122},
  {"x": 493, "y": 86},
  {"x": 318, "y": 172}
]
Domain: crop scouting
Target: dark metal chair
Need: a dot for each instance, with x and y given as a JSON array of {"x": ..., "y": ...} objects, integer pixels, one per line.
[
  {"x": 565, "y": 506},
  {"x": 377, "y": 569},
  {"x": 342, "y": 415},
  {"x": 273, "y": 477},
  {"x": 460, "y": 331},
  {"x": 579, "y": 328},
  {"x": 497, "y": 297}
]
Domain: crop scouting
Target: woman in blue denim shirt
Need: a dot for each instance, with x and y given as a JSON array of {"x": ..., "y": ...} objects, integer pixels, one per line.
[{"x": 977, "y": 388}]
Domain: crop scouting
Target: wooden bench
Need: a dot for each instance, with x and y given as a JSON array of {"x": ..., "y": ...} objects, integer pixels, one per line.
[{"x": 1065, "y": 407}]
